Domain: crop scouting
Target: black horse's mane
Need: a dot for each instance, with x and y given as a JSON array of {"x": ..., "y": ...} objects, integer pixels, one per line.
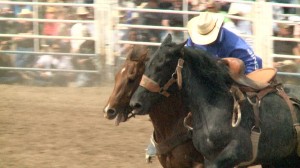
[{"x": 208, "y": 70}]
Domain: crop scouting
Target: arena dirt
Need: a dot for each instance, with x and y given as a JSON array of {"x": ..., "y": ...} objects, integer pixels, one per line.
[{"x": 64, "y": 127}]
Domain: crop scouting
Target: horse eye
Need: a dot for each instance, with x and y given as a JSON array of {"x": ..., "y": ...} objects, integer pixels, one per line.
[{"x": 131, "y": 80}]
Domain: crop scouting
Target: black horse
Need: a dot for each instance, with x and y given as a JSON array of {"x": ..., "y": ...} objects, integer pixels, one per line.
[{"x": 209, "y": 95}]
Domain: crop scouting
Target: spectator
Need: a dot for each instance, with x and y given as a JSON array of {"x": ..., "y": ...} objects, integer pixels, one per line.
[
  {"x": 238, "y": 26},
  {"x": 129, "y": 18},
  {"x": 8, "y": 76},
  {"x": 51, "y": 28},
  {"x": 6, "y": 26},
  {"x": 18, "y": 8},
  {"x": 80, "y": 29},
  {"x": 287, "y": 10},
  {"x": 213, "y": 6},
  {"x": 48, "y": 61},
  {"x": 23, "y": 43},
  {"x": 297, "y": 35},
  {"x": 288, "y": 66},
  {"x": 195, "y": 5},
  {"x": 131, "y": 36},
  {"x": 286, "y": 48},
  {"x": 174, "y": 20},
  {"x": 85, "y": 79},
  {"x": 217, "y": 7},
  {"x": 64, "y": 29},
  {"x": 153, "y": 19}
]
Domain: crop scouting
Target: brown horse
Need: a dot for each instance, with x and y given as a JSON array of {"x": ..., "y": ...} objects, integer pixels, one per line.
[{"x": 174, "y": 146}]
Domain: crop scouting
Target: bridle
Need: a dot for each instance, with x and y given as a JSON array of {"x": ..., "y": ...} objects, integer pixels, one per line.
[{"x": 154, "y": 87}]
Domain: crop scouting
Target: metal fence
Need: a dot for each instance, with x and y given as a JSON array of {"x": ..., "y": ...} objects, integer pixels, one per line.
[
  {"x": 262, "y": 19},
  {"x": 107, "y": 25}
]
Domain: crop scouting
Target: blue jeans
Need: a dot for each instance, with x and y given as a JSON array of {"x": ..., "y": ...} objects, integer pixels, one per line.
[{"x": 24, "y": 59}]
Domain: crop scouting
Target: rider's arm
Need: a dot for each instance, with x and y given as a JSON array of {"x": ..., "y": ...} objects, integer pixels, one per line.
[{"x": 251, "y": 61}]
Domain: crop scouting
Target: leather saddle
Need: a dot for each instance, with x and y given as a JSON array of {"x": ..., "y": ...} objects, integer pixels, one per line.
[{"x": 257, "y": 80}]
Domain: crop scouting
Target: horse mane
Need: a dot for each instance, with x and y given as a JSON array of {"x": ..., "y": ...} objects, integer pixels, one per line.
[
  {"x": 137, "y": 52},
  {"x": 208, "y": 71}
]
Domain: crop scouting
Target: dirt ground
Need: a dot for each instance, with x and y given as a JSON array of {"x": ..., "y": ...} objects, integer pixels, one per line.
[{"x": 64, "y": 127}]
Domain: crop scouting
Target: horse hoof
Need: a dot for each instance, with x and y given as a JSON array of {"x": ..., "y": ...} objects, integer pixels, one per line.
[{"x": 148, "y": 159}]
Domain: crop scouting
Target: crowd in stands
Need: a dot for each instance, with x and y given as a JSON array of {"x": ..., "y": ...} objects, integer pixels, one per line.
[
  {"x": 25, "y": 46},
  {"x": 238, "y": 26},
  {"x": 289, "y": 29},
  {"x": 54, "y": 52}
]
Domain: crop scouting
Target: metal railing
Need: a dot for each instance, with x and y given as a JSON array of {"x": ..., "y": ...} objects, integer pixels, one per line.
[
  {"x": 106, "y": 25},
  {"x": 37, "y": 37},
  {"x": 263, "y": 36}
]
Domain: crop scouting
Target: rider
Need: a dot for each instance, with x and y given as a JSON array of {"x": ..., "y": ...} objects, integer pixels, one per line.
[{"x": 206, "y": 32}]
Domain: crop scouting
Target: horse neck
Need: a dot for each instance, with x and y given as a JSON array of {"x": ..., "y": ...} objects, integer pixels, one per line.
[
  {"x": 202, "y": 100},
  {"x": 167, "y": 117}
]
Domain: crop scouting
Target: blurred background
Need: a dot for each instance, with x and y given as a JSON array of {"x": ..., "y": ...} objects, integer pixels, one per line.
[{"x": 81, "y": 43}]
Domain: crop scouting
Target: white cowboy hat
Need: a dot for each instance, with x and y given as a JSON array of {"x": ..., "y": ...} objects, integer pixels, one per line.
[
  {"x": 204, "y": 29},
  {"x": 82, "y": 11},
  {"x": 25, "y": 12}
]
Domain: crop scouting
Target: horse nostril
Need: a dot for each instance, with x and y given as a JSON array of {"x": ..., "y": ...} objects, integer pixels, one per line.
[
  {"x": 111, "y": 112},
  {"x": 136, "y": 107}
]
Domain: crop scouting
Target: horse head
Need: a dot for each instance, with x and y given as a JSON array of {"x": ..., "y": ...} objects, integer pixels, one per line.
[
  {"x": 126, "y": 81},
  {"x": 160, "y": 76}
]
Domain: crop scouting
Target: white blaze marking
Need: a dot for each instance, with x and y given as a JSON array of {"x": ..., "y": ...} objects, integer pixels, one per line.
[
  {"x": 106, "y": 108},
  {"x": 123, "y": 70}
]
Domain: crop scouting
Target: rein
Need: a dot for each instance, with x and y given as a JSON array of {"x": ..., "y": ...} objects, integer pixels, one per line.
[
  {"x": 154, "y": 87},
  {"x": 169, "y": 144}
]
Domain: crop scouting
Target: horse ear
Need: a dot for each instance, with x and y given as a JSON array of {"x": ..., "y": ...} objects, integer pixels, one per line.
[
  {"x": 130, "y": 53},
  {"x": 179, "y": 47},
  {"x": 167, "y": 40},
  {"x": 132, "y": 72},
  {"x": 145, "y": 55}
]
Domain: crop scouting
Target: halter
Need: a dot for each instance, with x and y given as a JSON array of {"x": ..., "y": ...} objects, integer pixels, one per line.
[{"x": 154, "y": 87}]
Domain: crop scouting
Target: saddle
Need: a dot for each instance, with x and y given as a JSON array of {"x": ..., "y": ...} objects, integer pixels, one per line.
[
  {"x": 256, "y": 80},
  {"x": 257, "y": 85}
]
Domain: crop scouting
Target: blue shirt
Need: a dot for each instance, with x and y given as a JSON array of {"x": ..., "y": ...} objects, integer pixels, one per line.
[{"x": 229, "y": 44}]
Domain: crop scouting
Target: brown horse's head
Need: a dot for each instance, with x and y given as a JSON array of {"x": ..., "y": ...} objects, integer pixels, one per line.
[{"x": 127, "y": 80}]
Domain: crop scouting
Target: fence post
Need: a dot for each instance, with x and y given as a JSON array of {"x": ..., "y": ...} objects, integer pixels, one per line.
[
  {"x": 263, "y": 30},
  {"x": 106, "y": 36},
  {"x": 110, "y": 39}
]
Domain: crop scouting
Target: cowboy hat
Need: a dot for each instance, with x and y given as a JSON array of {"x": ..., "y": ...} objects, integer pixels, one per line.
[
  {"x": 51, "y": 9},
  {"x": 25, "y": 12},
  {"x": 204, "y": 29},
  {"x": 82, "y": 11}
]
